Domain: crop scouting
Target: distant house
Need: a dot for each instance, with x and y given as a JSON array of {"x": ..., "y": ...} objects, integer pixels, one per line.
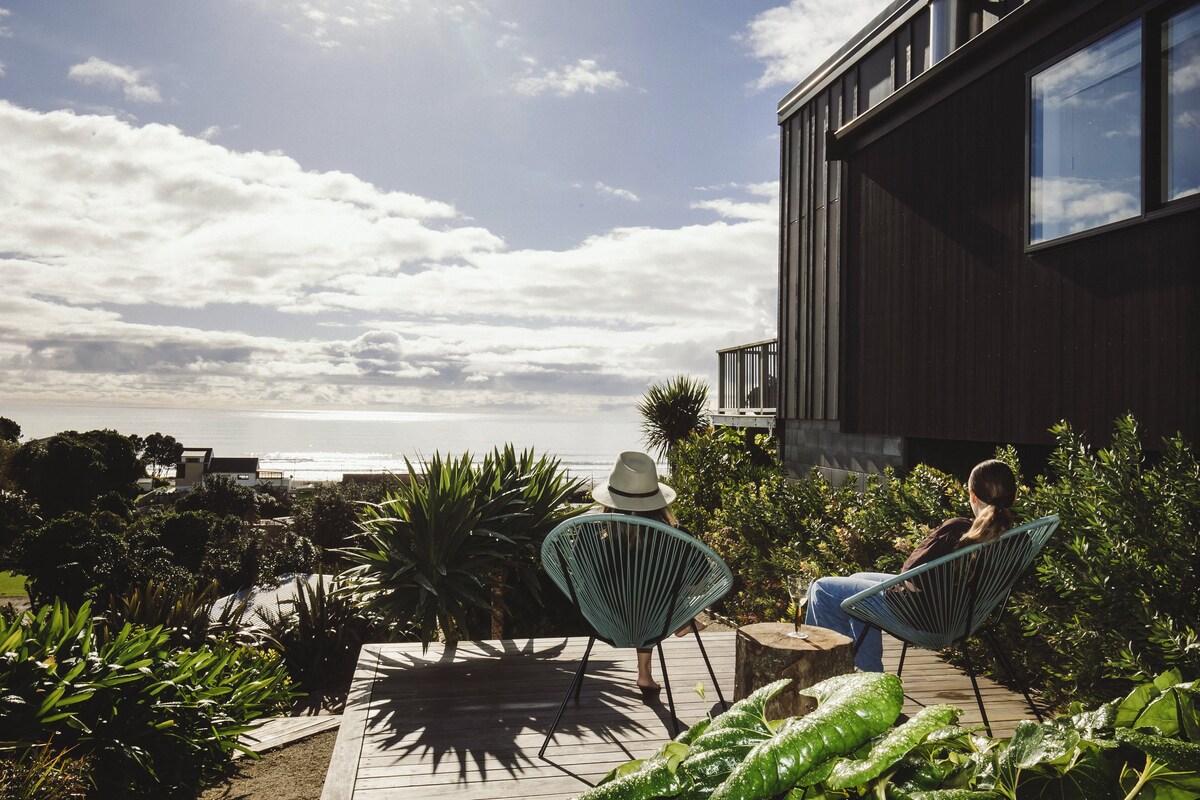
[
  {"x": 990, "y": 221},
  {"x": 197, "y": 463}
]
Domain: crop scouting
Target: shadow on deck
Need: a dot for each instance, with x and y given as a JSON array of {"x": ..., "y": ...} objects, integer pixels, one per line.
[{"x": 466, "y": 720}]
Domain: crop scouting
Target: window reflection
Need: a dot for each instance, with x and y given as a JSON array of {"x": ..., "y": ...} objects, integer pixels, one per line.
[
  {"x": 1181, "y": 58},
  {"x": 1086, "y": 138}
]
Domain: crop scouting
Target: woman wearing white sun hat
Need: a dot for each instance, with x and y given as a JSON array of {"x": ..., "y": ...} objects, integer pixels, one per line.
[{"x": 633, "y": 487}]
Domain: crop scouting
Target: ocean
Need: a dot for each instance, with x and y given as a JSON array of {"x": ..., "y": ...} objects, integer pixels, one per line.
[{"x": 323, "y": 445}]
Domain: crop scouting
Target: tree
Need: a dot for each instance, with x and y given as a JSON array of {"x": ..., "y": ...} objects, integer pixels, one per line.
[
  {"x": 75, "y": 556},
  {"x": 17, "y": 517},
  {"x": 9, "y": 430},
  {"x": 672, "y": 411},
  {"x": 70, "y": 470},
  {"x": 160, "y": 452}
]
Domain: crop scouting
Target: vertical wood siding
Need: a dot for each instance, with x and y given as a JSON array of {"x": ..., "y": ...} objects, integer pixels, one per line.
[{"x": 952, "y": 331}]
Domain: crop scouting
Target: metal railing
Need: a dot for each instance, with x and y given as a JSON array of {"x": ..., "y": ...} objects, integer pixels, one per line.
[{"x": 748, "y": 378}]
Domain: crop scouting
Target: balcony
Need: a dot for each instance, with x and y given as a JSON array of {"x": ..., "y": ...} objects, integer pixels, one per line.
[{"x": 748, "y": 385}]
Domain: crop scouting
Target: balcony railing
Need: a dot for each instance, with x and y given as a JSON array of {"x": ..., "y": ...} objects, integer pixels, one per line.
[{"x": 748, "y": 379}]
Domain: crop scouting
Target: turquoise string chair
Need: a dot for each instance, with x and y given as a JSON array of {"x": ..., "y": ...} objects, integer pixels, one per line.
[
  {"x": 635, "y": 581},
  {"x": 937, "y": 605}
]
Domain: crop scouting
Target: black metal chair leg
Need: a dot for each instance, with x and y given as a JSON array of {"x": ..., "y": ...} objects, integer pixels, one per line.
[
  {"x": 662, "y": 660},
  {"x": 903, "y": 653},
  {"x": 707, "y": 663},
  {"x": 862, "y": 637},
  {"x": 576, "y": 682},
  {"x": 975, "y": 685},
  {"x": 1002, "y": 657}
]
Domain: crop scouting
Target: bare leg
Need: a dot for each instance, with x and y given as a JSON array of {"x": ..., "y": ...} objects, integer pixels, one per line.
[
  {"x": 645, "y": 679},
  {"x": 686, "y": 629}
]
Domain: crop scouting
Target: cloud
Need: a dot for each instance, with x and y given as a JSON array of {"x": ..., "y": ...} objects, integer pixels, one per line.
[
  {"x": 98, "y": 72},
  {"x": 2, "y": 72},
  {"x": 795, "y": 39},
  {"x": 584, "y": 75},
  {"x": 1067, "y": 205},
  {"x": 612, "y": 191},
  {"x": 4, "y": 30},
  {"x": 382, "y": 297}
]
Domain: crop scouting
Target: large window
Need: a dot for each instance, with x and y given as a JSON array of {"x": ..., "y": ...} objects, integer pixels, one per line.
[
  {"x": 1086, "y": 138},
  {"x": 1090, "y": 135},
  {"x": 1181, "y": 104}
]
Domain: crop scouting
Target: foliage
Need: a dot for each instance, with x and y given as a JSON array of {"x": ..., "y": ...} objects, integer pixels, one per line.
[
  {"x": 150, "y": 716},
  {"x": 221, "y": 495},
  {"x": 1143, "y": 746},
  {"x": 706, "y": 466},
  {"x": 43, "y": 772},
  {"x": 673, "y": 411},
  {"x": 430, "y": 556},
  {"x": 70, "y": 470},
  {"x": 1117, "y": 593},
  {"x": 320, "y": 635},
  {"x": 10, "y": 431},
  {"x": 160, "y": 453},
  {"x": 17, "y": 518},
  {"x": 182, "y": 613},
  {"x": 78, "y": 556},
  {"x": 329, "y": 515},
  {"x": 734, "y": 494}
]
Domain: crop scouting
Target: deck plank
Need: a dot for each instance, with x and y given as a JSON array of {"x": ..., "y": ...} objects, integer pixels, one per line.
[{"x": 466, "y": 721}]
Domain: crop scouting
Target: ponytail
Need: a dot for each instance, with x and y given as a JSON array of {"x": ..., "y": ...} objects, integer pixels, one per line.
[
  {"x": 991, "y": 523},
  {"x": 995, "y": 486}
]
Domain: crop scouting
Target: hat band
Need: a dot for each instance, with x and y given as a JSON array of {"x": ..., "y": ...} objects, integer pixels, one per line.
[{"x": 635, "y": 495}]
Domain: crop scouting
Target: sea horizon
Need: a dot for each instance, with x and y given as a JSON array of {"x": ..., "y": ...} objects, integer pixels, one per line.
[{"x": 325, "y": 444}]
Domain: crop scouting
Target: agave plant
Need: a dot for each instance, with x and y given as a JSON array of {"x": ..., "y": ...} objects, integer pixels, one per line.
[
  {"x": 430, "y": 556},
  {"x": 672, "y": 411}
]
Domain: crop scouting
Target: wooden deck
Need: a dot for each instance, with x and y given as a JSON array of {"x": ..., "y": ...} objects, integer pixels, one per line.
[{"x": 466, "y": 721}]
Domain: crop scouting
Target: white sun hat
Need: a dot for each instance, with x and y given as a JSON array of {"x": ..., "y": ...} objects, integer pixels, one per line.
[{"x": 633, "y": 485}]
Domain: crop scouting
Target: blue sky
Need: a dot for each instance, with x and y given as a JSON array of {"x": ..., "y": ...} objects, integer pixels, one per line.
[{"x": 260, "y": 204}]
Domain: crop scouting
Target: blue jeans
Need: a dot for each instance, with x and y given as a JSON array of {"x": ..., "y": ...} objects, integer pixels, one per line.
[{"x": 825, "y": 598}]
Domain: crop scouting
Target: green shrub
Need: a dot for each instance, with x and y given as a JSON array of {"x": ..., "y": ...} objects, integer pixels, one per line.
[
  {"x": 150, "y": 717},
  {"x": 1117, "y": 593}
]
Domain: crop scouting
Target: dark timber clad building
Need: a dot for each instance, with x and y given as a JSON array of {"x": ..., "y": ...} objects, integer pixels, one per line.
[{"x": 990, "y": 222}]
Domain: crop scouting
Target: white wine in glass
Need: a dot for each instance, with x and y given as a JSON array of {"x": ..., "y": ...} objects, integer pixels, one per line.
[{"x": 797, "y": 586}]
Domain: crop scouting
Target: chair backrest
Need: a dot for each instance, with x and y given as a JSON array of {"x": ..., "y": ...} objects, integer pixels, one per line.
[
  {"x": 938, "y": 604},
  {"x": 634, "y": 580}
]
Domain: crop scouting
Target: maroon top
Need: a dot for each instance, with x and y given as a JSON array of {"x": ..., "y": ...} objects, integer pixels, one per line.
[{"x": 941, "y": 542}]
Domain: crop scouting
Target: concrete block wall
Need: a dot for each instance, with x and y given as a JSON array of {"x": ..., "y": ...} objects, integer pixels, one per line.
[{"x": 819, "y": 443}]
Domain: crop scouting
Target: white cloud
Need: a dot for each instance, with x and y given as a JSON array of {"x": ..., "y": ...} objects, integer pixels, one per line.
[
  {"x": 584, "y": 75},
  {"x": 1067, "y": 205},
  {"x": 795, "y": 39},
  {"x": 2, "y": 73},
  {"x": 109, "y": 223},
  {"x": 612, "y": 191},
  {"x": 98, "y": 72},
  {"x": 4, "y": 30}
]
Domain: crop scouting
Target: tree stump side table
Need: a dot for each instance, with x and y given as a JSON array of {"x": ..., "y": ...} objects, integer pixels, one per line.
[{"x": 765, "y": 653}]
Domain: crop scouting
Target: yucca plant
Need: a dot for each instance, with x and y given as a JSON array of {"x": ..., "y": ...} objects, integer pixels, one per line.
[
  {"x": 185, "y": 616},
  {"x": 429, "y": 556},
  {"x": 672, "y": 411}
]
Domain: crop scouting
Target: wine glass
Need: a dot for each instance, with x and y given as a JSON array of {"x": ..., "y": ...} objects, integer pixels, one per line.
[{"x": 797, "y": 586}]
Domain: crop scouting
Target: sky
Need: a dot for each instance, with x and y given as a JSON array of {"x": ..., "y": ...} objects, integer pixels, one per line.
[{"x": 392, "y": 204}]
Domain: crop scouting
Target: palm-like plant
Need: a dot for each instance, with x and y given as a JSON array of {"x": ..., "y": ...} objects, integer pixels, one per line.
[
  {"x": 672, "y": 411},
  {"x": 430, "y": 555}
]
